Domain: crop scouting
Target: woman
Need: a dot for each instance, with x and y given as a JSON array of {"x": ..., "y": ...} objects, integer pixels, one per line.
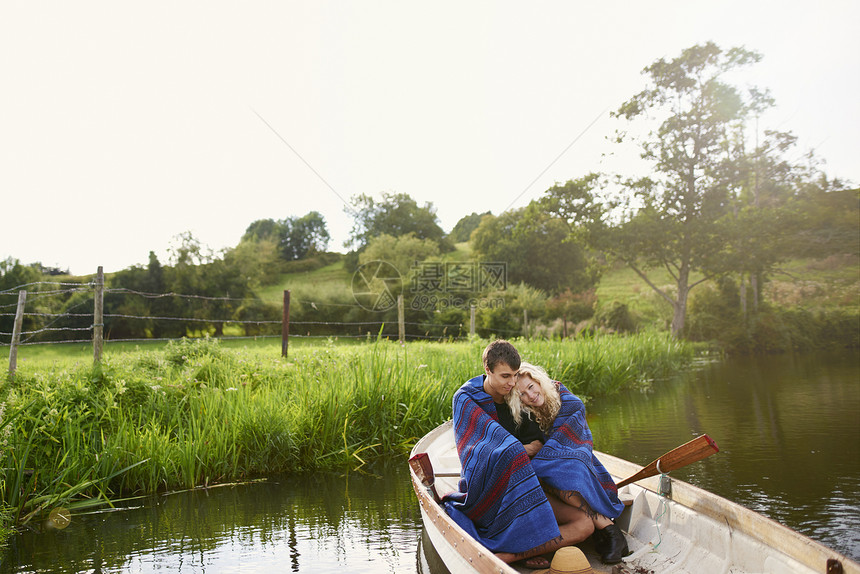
[{"x": 578, "y": 487}]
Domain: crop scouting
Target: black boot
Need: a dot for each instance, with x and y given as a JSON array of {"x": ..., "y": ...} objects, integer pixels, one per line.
[
  {"x": 600, "y": 541},
  {"x": 613, "y": 547}
]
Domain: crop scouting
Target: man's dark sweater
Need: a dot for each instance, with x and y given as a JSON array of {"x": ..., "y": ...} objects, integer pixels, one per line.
[{"x": 528, "y": 430}]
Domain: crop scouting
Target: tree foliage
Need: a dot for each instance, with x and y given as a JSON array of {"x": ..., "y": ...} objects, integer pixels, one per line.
[
  {"x": 14, "y": 276},
  {"x": 721, "y": 200},
  {"x": 827, "y": 222},
  {"x": 395, "y": 214},
  {"x": 572, "y": 307},
  {"x": 535, "y": 248},
  {"x": 401, "y": 252},
  {"x": 463, "y": 229},
  {"x": 296, "y": 237},
  {"x": 675, "y": 218},
  {"x": 712, "y": 204}
]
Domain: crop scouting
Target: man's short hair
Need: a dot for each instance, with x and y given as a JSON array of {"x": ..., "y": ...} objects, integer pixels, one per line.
[{"x": 501, "y": 351}]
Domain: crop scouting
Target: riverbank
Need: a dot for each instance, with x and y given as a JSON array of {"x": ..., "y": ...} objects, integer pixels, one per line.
[{"x": 197, "y": 413}]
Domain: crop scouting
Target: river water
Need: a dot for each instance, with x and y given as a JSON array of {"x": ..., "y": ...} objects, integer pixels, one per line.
[{"x": 788, "y": 428}]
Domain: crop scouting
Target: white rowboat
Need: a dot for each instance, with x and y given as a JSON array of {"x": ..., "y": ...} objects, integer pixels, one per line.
[{"x": 689, "y": 530}]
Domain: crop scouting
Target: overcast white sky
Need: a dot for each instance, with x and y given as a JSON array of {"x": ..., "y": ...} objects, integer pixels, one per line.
[{"x": 123, "y": 125}]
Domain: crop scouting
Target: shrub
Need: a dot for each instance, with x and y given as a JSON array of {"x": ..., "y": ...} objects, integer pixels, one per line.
[{"x": 616, "y": 316}]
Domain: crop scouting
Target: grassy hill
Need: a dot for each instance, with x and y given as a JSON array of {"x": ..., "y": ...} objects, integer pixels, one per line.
[
  {"x": 334, "y": 275},
  {"x": 831, "y": 283}
]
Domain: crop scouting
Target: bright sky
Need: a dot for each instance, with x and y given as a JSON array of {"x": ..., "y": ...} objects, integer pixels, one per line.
[{"x": 125, "y": 124}]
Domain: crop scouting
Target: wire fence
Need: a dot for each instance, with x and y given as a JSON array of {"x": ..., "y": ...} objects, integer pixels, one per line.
[{"x": 57, "y": 312}]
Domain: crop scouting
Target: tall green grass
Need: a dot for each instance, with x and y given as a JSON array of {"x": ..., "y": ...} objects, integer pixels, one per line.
[{"x": 196, "y": 412}]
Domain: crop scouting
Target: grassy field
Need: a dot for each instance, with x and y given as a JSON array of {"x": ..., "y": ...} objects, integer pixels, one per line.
[{"x": 80, "y": 354}]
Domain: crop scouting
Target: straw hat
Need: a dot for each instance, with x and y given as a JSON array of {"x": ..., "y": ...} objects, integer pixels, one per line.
[{"x": 568, "y": 560}]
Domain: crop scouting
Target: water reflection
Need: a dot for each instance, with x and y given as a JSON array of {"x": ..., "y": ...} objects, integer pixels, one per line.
[
  {"x": 428, "y": 560},
  {"x": 353, "y": 524},
  {"x": 787, "y": 427}
]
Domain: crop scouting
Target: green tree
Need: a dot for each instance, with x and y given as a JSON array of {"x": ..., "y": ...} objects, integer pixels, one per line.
[
  {"x": 674, "y": 218},
  {"x": 536, "y": 248},
  {"x": 129, "y": 300},
  {"x": 263, "y": 229},
  {"x": 155, "y": 283},
  {"x": 395, "y": 214},
  {"x": 212, "y": 287},
  {"x": 766, "y": 193},
  {"x": 258, "y": 262},
  {"x": 296, "y": 237},
  {"x": 829, "y": 217},
  {"x": 223, "y": 291},
  {"x": 572, "y": 307},
  {"x": 463, "y": 229},
  {"x": 402, "y": 252},
  {"x": 15, "y": 277},
  {"x": 155, "y": 275},
  {"x": 304, "y": 236}
]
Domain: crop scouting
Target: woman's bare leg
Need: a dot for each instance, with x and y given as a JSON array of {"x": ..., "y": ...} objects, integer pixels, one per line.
[
  {"x": 609, "y": 540},
  {"x": 573, "y": 523},
  {"x": 576, "y": 501}
]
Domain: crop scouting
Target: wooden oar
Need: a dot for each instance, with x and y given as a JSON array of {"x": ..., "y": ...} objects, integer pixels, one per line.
[{"x": 689, "y": 452}]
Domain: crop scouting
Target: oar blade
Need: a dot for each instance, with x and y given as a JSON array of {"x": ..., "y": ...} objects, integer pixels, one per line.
[
  {"x": 697, "y": 449},
  {"x": 423, "y": 469},
  {"x": 693, "y": 451}
]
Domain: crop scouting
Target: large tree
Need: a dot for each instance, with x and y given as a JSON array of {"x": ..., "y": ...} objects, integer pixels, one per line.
[{"x": 674, "y": 219}]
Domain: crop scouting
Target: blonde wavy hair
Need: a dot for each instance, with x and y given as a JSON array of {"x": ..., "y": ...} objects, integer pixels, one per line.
[{"x": 545, "y": 415}]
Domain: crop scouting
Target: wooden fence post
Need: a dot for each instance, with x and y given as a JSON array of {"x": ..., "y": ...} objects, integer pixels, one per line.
[
  {"x": 472, "y": 321},
  {"x": 16, "y": 333},
  {"x": 285, "y": 324},
  {"x": 98, "y": 315},
  {"x": 401, "y": 320},
  {"x": 526, "y": 323}
]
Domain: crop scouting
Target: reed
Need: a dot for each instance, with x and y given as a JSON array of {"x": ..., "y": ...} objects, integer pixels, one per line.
[{"x": 198, "y": 413}]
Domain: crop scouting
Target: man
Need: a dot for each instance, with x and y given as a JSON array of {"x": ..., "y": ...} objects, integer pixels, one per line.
[
  {"x": 500, "y": 500},
  {"x": 501, "y": 363}
]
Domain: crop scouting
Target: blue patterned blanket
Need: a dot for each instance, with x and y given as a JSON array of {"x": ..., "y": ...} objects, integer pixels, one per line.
[
  {"x": 500, "y": 501},
  {"x": 567, "y": 462}
]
